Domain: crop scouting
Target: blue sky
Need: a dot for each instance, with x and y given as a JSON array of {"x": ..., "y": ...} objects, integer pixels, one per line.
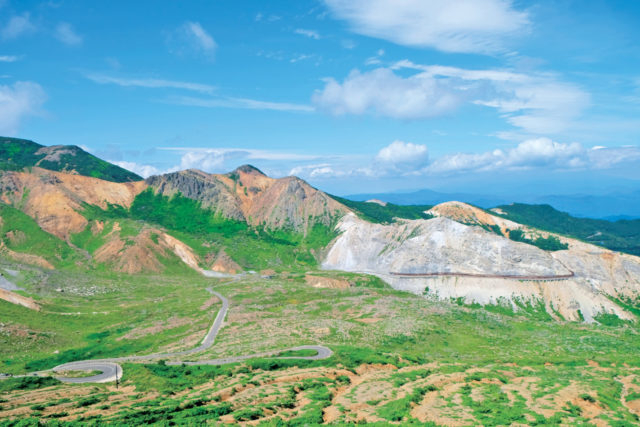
[{"x": 489, "y": 96}]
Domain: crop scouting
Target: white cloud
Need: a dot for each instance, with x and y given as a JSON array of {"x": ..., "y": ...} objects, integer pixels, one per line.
[
  {"x": 530, "y": 154},
  {"x": 541, "y": 107},
  {"x": 537, "y": 102},
  {"x": 383, "y": 92},
  {"x": 307, "y": 33},
  {"x": 8, "y": 58},
  {"x": 67, "y": 35},
  {"x": 204, "y": 160},
  {"x": 405, "y": 157},
  {"x": 608, "y": 157},
  {"x": 151, "y": 83},
  {"x": 477, "y": 26},
  {"x": 144, "y": 171},
  {"x": 246, "y": 153},
  {"x": 245, "y": 103},
  {"x": 17, "y": 102},
  {"x": 200, "y": 36},
  {"x": 18, "y": 25},
  {"x": 191, "y": 37}
]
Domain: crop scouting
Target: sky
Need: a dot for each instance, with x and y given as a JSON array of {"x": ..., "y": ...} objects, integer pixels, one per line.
[{"x": 355, "y": 96}]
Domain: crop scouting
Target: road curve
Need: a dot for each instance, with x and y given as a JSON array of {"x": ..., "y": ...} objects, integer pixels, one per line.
[{"x": 110, "y": 370}]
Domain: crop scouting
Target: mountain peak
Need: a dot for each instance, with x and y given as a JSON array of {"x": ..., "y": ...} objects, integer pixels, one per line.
[
  {"x": 249, "y": 169},
  {"x": 18, "y": 154}
]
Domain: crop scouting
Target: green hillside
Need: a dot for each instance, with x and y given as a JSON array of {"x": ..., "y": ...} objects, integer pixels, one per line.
[
  {"x": 622, "y": 236},
  {"x": 385, "y": 214},
  {"x": 20, "y": 233},
  {"x": 17, "y": 154}
]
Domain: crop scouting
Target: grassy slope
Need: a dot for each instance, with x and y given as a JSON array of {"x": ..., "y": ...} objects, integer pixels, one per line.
[
  {"x": 623, "y": 235},
  {"x": 206, "y": 232},
  {"x": 385, "y": 214},
  {"x": 17, "y": 154},
  {"x": 93, "y": 314},
  {"x": 470, "y": 343},
  {"x": 21, "y": 233}
]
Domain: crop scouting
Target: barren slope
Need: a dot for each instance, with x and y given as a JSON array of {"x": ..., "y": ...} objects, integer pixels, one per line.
[
  {"x": 53, "y": 199},
  {"x": 247, "y": 194},
  {"x": 441, "y": 245}
]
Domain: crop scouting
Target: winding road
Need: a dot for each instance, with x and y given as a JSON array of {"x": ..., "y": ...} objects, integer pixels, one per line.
[{"x": 110, "y": 369}]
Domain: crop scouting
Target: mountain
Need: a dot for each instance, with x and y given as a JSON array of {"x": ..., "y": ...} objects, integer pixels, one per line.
[
  {"x": 248, "y": 195},
  {"x": 234, "y": 221},
  {"x": 465, "y": 253},
  {"x": 621, "y": 235},
  {"x": 18, "y": 154},
  {"x": 605, "y": 206},
  {"x": 244, "y": 220}
]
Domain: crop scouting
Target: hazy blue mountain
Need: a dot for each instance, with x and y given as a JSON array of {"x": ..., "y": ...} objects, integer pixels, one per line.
[{"x": 617, "y": 205}]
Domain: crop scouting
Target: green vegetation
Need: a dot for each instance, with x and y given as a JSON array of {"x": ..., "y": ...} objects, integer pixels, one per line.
[
  {"x": 17, "y": 154},
  {"x": 623, "y": 235},
  {"x": 398, "y": 410},
  {"x": 21, "y": 233},
  {"x": 415, "y": 345},
  {"x": 551, "y": 243},
  {"x": 27, "y": 383},
  {"x": 376, "y": 213},
  {"x": 206, "y": 232}
]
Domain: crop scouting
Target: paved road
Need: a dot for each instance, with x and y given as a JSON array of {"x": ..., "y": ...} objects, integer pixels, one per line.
[{"x": 110, "y": 370}]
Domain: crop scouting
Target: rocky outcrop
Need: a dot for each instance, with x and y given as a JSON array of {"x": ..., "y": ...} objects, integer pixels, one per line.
[
  {"x": 484, "y": 267},
  {"x": 439, "y": 245},
  {"x": 247, "y": 194},
  {"x": 14, "y": 298},
  {"x": 54, "y": 199},
  {"x": 144, "y": 252}
]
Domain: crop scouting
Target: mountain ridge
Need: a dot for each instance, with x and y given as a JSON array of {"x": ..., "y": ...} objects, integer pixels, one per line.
[{"x": 18, "y": 154}]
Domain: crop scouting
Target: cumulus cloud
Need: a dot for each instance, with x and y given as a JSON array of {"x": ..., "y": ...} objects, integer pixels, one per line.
[
  {"x": 191, "y": 37},
  {"x": 144, "y": 171},
  {"x": 307, "y": 33},
  {"x": 530, "y": 154},
  {"x": 385, "y": 93},
  {"x": 217, "y": 159},
  {"x": 405, "y": 157},
  {"x": 18, "y": 101},
  {"x": 17, "y": 26},
  {"x": 469, "y": 26},
  {"x": 150, "y": 83},
  {"x": 205, "y": 160},
  {"x": 67, "y": 35},
  {"x": 537, "y": 103}
]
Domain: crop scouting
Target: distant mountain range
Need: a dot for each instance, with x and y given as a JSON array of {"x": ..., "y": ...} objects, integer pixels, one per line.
[
  {"x": 615, "y": 206},
  {"x": 62, "y": 208}
]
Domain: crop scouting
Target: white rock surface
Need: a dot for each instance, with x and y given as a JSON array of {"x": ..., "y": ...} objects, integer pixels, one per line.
[{"x": 441, "y": 245}]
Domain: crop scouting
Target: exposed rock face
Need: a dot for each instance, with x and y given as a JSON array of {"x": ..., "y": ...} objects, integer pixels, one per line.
[
  {"x": 224, "y": 264},
  {"x": 326, "y": 282},
  {"x": 211, "y": 190},
  {"x": 53, "y": 199},
  {"x": 143, "y": 251},
  {"x": 467, "y": 214},
  {"x": 14, "y": 298},
  {"x": 440, "y": 245},
  {"x": 247, "y": 194}
]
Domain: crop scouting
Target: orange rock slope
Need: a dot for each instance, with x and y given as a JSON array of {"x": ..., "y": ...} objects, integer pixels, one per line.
[
  {"x": 53, "y": 199},
  {"x": 247, "y": 194}
]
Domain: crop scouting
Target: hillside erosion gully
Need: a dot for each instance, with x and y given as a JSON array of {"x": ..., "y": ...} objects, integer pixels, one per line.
[{"x": 110, "y": 370}]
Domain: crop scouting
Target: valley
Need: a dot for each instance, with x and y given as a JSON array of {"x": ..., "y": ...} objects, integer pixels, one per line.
[{"x": 239, "y": 297}]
